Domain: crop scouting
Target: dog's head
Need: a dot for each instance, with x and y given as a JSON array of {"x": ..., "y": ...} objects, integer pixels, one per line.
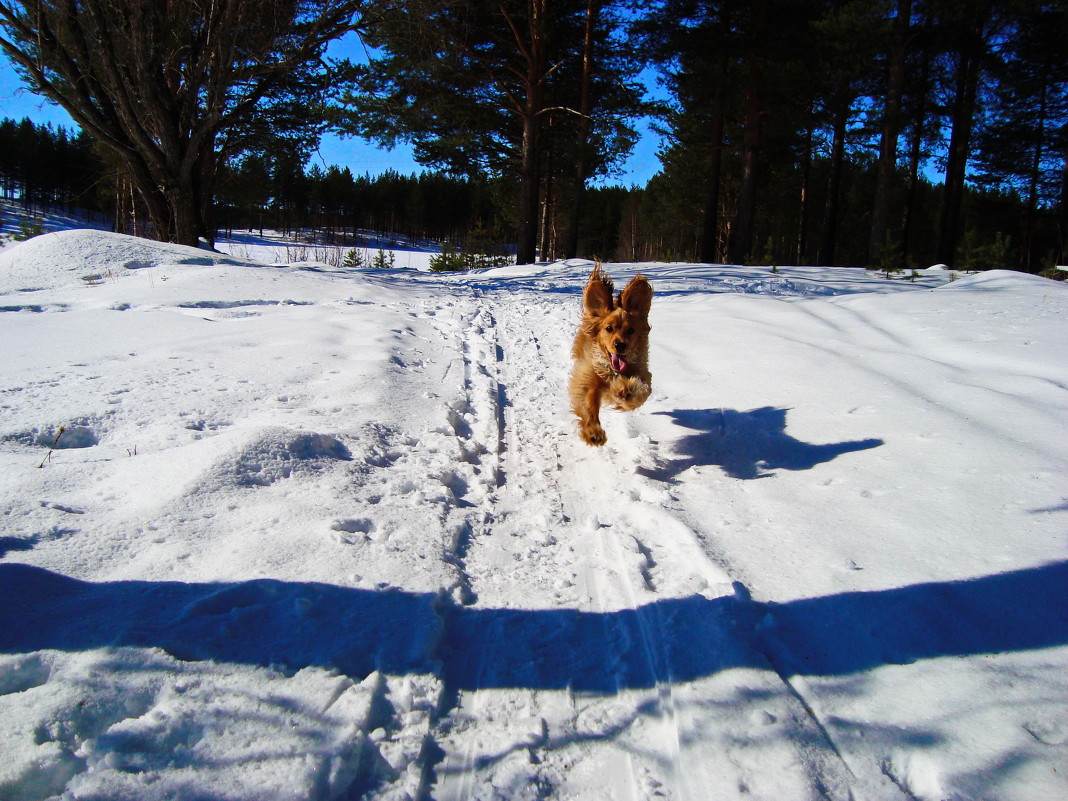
[{"x": 618, "y": 325}]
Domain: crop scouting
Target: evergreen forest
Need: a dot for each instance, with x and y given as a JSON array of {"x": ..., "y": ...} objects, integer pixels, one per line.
[{"x": 869, "y": 133}]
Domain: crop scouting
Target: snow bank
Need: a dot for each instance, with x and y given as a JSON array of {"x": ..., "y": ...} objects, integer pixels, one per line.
[{"x": 65, "y": 257}]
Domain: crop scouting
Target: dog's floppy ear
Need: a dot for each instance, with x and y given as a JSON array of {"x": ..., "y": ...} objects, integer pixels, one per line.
[
  {"x": 637, "y": 297},
  {"x": 597, "y": 297}
]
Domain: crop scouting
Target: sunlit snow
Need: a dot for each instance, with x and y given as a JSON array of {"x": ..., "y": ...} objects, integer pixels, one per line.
[{"x": 286, "y": 530}]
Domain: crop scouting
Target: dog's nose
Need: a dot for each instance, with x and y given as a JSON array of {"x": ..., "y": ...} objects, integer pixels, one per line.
[{"x": 620, "y": 347}]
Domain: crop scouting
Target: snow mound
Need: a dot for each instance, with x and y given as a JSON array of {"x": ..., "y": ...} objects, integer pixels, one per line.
[
  {"x": 277, "y": 452},
  {"x": 83, "y": 255},
  {"x": 312, "y": 731},
  {"x": 1001, "y": 280}
]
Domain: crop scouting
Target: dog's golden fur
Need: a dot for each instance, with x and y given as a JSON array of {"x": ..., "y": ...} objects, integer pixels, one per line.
[{"x": 610, "y": 352}]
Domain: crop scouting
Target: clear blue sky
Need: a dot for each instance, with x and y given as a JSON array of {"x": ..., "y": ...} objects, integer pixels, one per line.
[{"x": 358, "y": 155}]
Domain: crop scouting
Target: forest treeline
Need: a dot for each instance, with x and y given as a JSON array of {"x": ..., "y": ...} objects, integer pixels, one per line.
[
  {"x": 839, "y": 132},
  {"x": 45, "y": 166}
]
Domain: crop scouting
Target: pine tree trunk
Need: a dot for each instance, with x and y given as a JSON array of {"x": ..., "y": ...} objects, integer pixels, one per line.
[
  {"x": 917, "y": 118},
  {"x": 593, "y": 9},
  {"x": 709, "y": 248},
  {"x": 1031, "y": 209},
  {"x": 154, "y": 195},
  {"x": 806, "y": 174},
  {"x": 527, "y": 235},
  {"x": 895, "y": 85},
  {"x": 829, "y": 241},
  {"x": 963, "y": 116},
  {"x": 745, "y": 221},
  {"x": 709, "y": 252},
  {"x": 548, "y": 206},
  {"x": 530, "y": 151}
]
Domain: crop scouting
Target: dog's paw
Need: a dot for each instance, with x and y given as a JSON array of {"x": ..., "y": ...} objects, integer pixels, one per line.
[
  {"x": 593, "y": 434},
  {"x": 629, "y": 393}
]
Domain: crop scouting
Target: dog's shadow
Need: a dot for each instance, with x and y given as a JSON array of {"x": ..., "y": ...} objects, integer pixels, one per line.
[{"x": 746, "y": 445}]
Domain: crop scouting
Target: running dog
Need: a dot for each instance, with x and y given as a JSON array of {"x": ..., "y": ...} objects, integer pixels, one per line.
[{"x": 610, "y": 352}]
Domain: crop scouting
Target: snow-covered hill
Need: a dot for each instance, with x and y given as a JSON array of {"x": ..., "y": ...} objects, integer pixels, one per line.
[
  {"x": 299, "y": 532},
  {"x": 17, "y": 221}
]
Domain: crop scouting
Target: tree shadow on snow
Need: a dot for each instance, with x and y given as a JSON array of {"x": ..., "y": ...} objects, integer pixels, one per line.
[
  {"x": 8, "y": 544},
  {"x": 292, "y": 625},
  {"x": 746, "y": 445}
]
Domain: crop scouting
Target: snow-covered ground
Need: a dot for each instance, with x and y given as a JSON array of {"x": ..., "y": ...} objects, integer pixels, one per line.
[
  {"x": 273, "y": 247},
  {"x": 316, "y": 533}
]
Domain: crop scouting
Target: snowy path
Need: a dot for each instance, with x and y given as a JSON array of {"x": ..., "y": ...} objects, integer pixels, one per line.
[
  {"x": 595, "y": 597},
  {"x": 328, "y": 534}
]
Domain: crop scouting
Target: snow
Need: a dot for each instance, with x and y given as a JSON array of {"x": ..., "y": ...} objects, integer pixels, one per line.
[
  {"x": 323, "y": 533},
  {"x": 274, "y": 247}
]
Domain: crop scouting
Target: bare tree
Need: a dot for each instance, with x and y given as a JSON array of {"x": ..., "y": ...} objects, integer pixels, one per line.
[{"x": 176, "y": 87}]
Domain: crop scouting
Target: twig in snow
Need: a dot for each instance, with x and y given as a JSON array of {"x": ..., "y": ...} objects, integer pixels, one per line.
[{"x": 55, "y": 442}]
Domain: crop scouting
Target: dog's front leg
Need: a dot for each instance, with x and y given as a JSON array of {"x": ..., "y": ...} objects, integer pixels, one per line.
[
  {"x": 629, "y": 392},
  {"x": 590, "y": 416}
]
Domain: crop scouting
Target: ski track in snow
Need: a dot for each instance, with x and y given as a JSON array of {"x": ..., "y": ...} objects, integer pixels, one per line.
[
  {"x": 323, "y": 545},
  {"x": 580, "y": 529}
]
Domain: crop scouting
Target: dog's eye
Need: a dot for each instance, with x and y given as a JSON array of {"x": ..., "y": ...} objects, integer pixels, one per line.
[
  {"x": 608, "y": 328},
  {"x": 630, "y": 331}
]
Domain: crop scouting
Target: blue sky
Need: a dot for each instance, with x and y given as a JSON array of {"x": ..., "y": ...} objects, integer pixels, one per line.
[{"x": 358, "y": 155}]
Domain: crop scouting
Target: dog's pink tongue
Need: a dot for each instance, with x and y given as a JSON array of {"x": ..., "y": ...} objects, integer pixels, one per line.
[{"x": 618, "y": 364}]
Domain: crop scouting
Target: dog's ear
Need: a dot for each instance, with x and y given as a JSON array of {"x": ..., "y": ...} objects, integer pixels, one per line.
[
  {"x": 597, "y": 297},
  {"x": 637, "y": 297}
]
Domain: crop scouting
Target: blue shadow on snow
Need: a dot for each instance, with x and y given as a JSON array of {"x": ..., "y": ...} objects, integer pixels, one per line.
[
  {"x": 292, "y": 625},
  {"x": 8, "y": 544},
  {"x": 746, "y": 445}
]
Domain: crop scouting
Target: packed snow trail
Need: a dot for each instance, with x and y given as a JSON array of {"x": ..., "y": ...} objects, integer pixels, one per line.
[
  {"x": 618, "y": 599},
  {"x": 329, "y": 534}
]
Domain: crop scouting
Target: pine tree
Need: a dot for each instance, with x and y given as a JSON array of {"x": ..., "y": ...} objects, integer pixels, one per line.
[
  {"x": 698, "y": 49},
  {"x": 969, "y": 28},
  {"x": 845, "y": 53},
  {"x": 472, "y": 85},
  {"x": 1024, "y": 145},
  {"x": 176, "y": 89}
]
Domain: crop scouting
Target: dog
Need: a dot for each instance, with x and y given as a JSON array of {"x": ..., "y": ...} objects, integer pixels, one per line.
[{"x": 610, "y": 352}]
